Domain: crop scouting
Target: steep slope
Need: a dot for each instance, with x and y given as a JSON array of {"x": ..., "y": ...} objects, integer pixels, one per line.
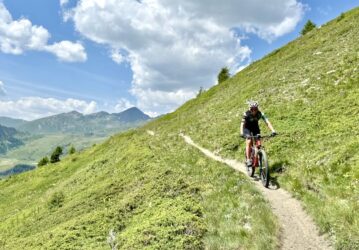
[
  {"x": 150, "y": 199},
  {"x": 298, "y": 230},
  {"x": 309, "y": 89},
  {"x": 154, "y": 191}
]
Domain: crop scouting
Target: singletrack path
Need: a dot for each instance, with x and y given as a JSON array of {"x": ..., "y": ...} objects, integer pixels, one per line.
[{"x": 298, "y": 231}]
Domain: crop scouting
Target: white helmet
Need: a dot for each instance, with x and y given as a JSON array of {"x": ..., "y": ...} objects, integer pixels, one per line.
[{"x": 253, "y": 104}]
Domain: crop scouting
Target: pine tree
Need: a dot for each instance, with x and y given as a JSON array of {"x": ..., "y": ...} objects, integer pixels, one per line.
[
  {"x": 55, "y": 156},
  {"x": 44, "y": 161},
  {"x": 308, "y": 27},
  {"x": 200, "y": 91},
  {"x": 223, "y": 75},
  {"x": 72, "y": 150}
]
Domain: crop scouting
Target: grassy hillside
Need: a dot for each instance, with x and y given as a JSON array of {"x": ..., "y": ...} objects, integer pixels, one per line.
[
  {"x": 151, "y": 199},
  {"x": 155, "y": 191},
  {"x": 310, "y": 91},
  {"x": 34, "y": 149}
]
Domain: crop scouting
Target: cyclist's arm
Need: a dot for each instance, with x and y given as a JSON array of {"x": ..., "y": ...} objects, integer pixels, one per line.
[
  {"x": 268, "y": 123},
  {"x": 242, "y": 123},
  {"x": 242, "y": 126},
  {"x": 270, "y": 126}
]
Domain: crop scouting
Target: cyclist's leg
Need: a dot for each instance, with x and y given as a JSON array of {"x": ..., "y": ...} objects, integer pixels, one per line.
[
  {"x": 248, "y": 148},
  {"x": 246, "y": 132}
]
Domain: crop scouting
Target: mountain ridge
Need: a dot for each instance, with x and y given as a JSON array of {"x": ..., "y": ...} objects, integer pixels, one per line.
[
  {"x": 11, "y": 122},
  {"x": 95, "y": 123}
]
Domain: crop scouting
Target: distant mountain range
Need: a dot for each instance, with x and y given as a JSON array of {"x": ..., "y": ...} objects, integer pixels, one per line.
[
  {"x": 11, "y": 122},
  {"x": 28, "y": 141},
  {"x": 101, "y": 123},
  {"x": 9, "y": 139}
]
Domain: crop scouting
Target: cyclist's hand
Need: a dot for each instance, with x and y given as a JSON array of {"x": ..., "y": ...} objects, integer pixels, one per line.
[{"x": 274, "y": 133}]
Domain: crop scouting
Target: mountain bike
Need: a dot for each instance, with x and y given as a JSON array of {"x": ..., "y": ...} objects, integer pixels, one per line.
[{"x": 259, "y": 159}]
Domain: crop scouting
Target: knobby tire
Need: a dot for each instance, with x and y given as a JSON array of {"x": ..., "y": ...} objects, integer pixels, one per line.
[
  {"x": 250, "y": 170},
  {"x": 264, "y": 169}
]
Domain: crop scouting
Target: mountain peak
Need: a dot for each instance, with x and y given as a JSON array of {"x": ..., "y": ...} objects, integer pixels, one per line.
[
  {"x": 74, "y": 112},
  {"x": 131, "y": 115},
  {"x": 132, "y": 109}
]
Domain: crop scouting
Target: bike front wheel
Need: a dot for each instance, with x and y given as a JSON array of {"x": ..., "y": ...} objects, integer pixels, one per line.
[
  {"x": 250, "y": 170},
  {"x": 264, "y": 168}
]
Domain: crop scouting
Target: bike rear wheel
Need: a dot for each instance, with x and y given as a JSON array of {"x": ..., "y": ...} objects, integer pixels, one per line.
[{"x": 264, "y": 168}]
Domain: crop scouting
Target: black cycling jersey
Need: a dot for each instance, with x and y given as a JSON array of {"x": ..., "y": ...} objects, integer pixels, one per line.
[{"x": 251, "y": 121}]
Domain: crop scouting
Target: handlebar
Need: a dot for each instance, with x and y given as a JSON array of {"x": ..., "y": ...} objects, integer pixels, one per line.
[{"x": 259, "y": 136}]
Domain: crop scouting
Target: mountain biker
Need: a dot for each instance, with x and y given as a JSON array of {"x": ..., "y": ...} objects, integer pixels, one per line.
[{"x": 249, "y": 126}]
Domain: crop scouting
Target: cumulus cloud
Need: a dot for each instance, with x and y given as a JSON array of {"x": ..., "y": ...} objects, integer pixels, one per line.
[
  {"x": 118, "y": 57},
  {"x": 2, "y": 89},
  {"x": 63, "y": 2},
  {"x": 36, "y": 107},
  {"x": 18, "y": 36},
  {"x": 68, "y": 51},
  {"x": 161, "y": 101},
  {"x": 268, "y": 19},
  {"x": 175, "y": 47}
]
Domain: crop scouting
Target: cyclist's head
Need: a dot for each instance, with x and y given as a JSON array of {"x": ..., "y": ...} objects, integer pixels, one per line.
[{"x": 253, "y": 106}]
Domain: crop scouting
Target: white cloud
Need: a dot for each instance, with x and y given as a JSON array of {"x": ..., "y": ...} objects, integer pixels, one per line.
[
  {"x": 117, "y": 57},
  {"x": 68, "y": 51},
  {"x": 2, "y": 89},
  {"x": 174, "y": 47},
  {"x": 36, "y": 107},
  {"x": 156, "y": 101},
  {"x": 122, "y": 105},
  {"x": 268, "y": 19},
  {"x": 18, "y": 36},
  {"x": 63, "y": 2}
]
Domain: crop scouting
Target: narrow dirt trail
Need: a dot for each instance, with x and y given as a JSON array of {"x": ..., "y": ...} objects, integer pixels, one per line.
[{"x": 298, "y": 230}]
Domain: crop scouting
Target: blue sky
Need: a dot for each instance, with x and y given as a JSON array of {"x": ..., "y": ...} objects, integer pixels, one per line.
[{"x": 110, "y": 55}]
